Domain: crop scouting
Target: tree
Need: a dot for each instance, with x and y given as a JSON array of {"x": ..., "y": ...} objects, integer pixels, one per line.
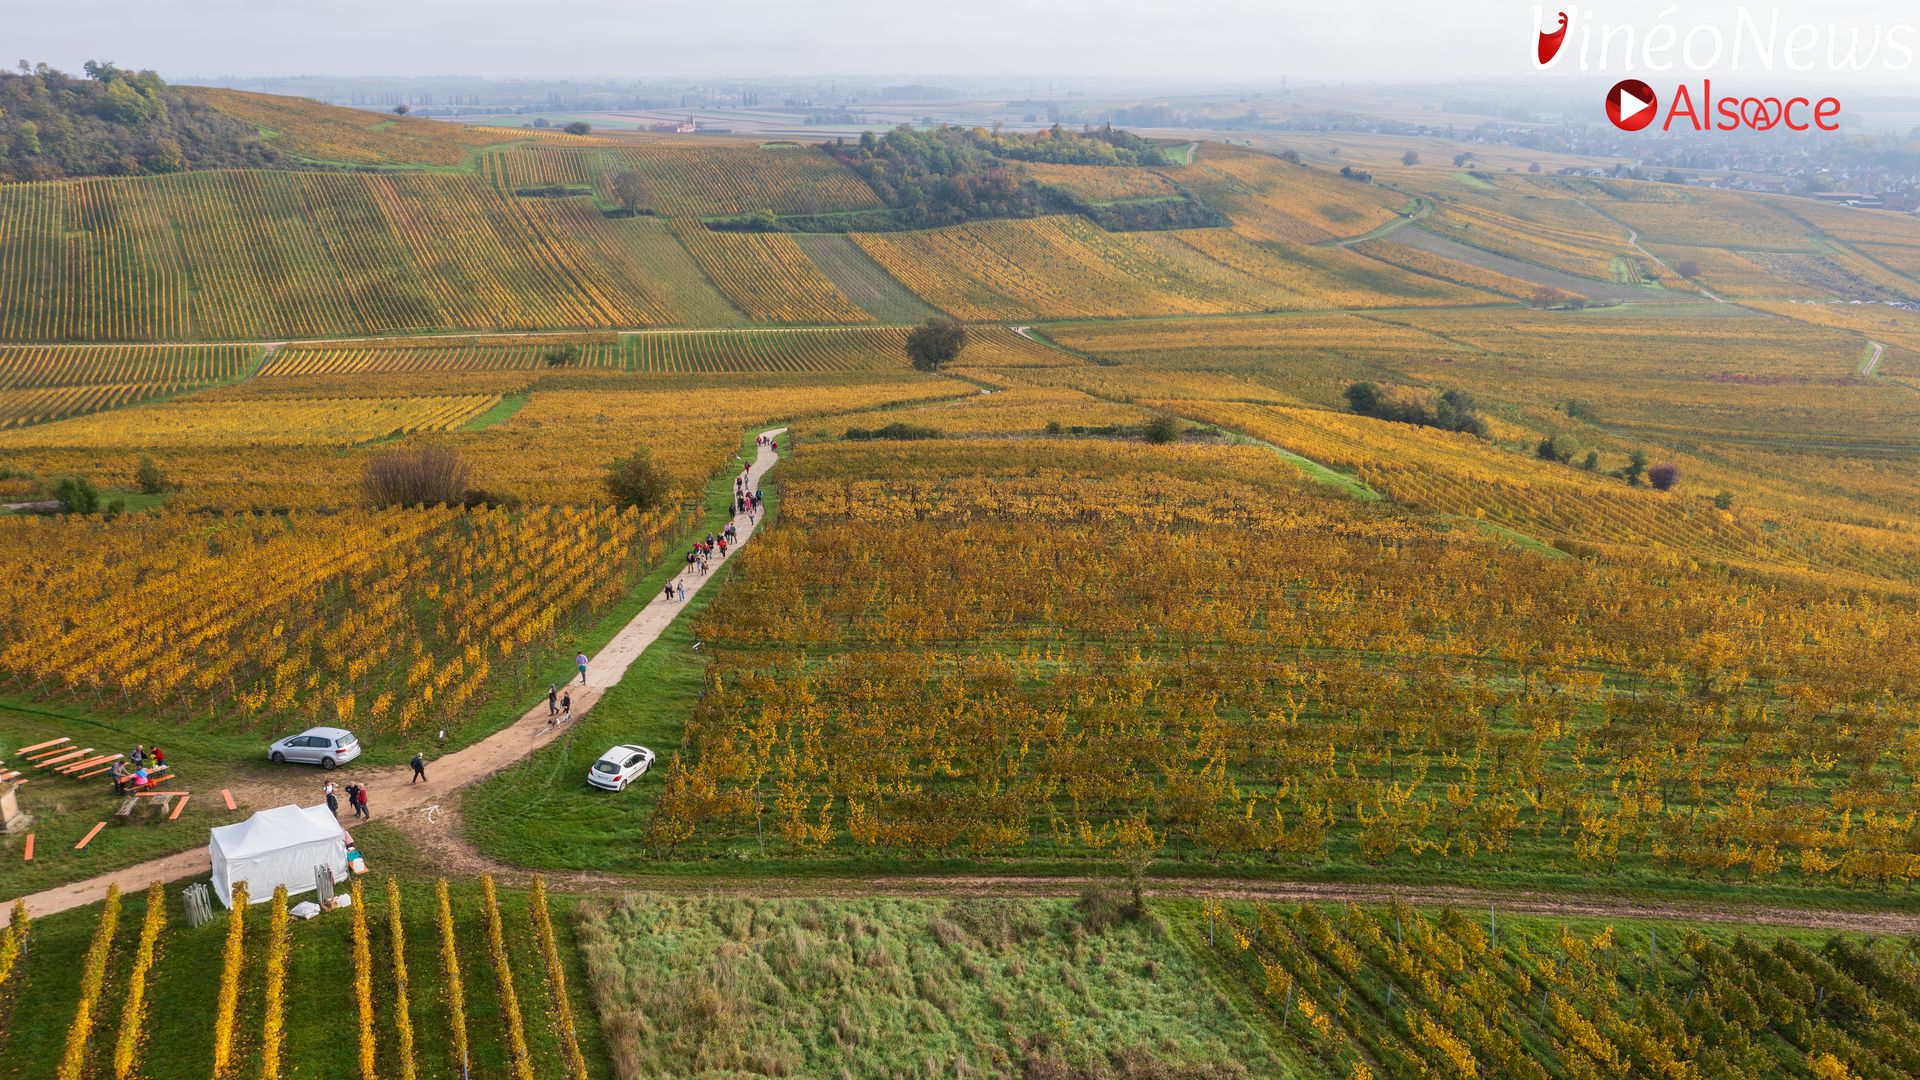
[
  {"x": 632, "y": 190},
  {"x": 565, "y": 356},
  {"x": 77, "y": 495},
  {"x": 401, "y": 109},
  {"x": 1663, "y": 477},
  {"x": 1364, "y": 398},
  {"x": 1724, "y": 500},
  {"x": 149, "y": 478},
  {"x": 578, "y": 127},
  {"x": 636, "y": 481},
  {"x": 1592, "y": 461},
  {"x": 1409, "y": 158},
  {"x": 1546, "y": 296},
  {"x": 1550, "y": 449},
  {"x": 1687, "y": 268},
  {"x": 426, "y": 476},
  {"x": 1636, "y": 468},
  {"x": 935, "y": 343},
  {"x": 1460, "y": 160}
]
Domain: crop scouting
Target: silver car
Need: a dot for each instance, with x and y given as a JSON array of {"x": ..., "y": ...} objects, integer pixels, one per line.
[{"x": 322, "y": 746}]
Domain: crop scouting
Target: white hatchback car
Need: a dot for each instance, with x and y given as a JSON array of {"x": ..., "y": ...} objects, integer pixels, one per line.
[
  {"x": 620, "y": 766},
  {"x": 322, "y": 746}
]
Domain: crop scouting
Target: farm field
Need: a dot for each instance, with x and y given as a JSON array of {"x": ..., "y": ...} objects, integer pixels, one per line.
[{"x": 1395, "y": 539}]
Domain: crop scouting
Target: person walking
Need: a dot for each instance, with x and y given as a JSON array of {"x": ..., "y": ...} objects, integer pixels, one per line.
[
  {"x": 683, "y": 591},
  {"x": 669, "y": 592},
  {"x": 582, "y": 661},
  {"x": 419, "y": 769},
  {"x": 360, "y": 802},
  {"x": 333, "y": 800},
  {"x": 553, "y": 700}
]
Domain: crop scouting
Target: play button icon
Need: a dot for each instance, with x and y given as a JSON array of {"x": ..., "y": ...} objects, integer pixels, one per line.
[{"x": 1631, "y": 105}]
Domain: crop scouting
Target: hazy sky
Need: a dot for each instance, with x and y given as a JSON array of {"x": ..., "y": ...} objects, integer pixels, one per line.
[{"x": 1148, "y": 40}]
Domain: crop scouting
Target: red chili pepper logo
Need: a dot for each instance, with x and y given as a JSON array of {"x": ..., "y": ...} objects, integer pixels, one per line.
[{"x": 1550, "y": 42}]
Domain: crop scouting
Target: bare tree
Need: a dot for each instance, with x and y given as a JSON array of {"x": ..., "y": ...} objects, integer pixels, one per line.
[
  {"x": 632, "y": 190},
  {"x": 424, "y": 476}
]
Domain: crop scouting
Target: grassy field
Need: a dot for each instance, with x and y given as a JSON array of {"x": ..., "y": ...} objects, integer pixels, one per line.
[{"x": 320, "y": 1039}]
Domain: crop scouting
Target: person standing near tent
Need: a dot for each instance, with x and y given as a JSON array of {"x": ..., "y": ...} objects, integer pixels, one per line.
[
  {"x": 333, "y": 802},
  {"x": 360, "y": 802},
  {"x": 419, "y": 768}
]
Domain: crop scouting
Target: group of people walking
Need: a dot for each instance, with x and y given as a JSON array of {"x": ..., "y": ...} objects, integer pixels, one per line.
[{"x": 559, "y": 705}]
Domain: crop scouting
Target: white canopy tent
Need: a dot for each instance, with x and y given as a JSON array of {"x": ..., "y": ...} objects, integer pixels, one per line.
[{"x": 277, "y": 847}]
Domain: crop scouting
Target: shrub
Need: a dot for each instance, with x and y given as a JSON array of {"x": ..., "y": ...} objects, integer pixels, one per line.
[
  {"x": 578, "y": 127},
  {"x": 1055, "y": 427},
  {"x": 1451, "y": 410},
  {"x": 363, "y": 983},
  {"x": 1663, "y": 477},
  {"x": 636, "y": 481},
  {"x": 1724, "y": 500},
  {"x": 77, "y": 495},
  {"x": 1102, "y": 907},
  {"x": 232, "y": 963},
  {"x": 1591, "y": 462},
  {"x": 93, "y": 975},
  {"x": 896, "y": 430},
  {"x": 1550, "y": 449},
  {"x": 149, "y": 478},
  {"x": 1162, "y": 430},
  {"x": 564, "y": 356},
  {"x": 133, "y": 1014},
  {"x": 426, "y": 476}
]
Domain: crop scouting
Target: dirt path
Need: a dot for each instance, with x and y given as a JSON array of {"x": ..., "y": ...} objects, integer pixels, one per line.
[
  {"x": 439, "y": 839},
  {"x": 389, "y": 788},
  {"x": 1399, "y": 222},
  {"x": 1872, "y": 363}
]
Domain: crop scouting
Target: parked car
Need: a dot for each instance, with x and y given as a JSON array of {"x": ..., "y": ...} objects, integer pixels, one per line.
[
  {"x": 322, "y": 746},
  {"x": 620, "y": 766}
]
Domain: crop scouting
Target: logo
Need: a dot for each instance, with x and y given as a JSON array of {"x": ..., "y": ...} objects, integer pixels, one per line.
[
  {"x": 1574, "y": 38},
  {"x": 1632, "y": 105},
  {"x": 1549, "y": 46}
]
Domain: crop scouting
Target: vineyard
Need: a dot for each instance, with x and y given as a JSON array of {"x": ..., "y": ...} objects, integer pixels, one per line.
[
  {"x": 338, "y": 421},
  {"x": 692, "y": 181},
  {"x": 1400, "y": 993},
  {"x": 134, "y": 991},
  {"x": 767, "y": 276},
  {"x": 260, "y": 255},
  {"x": 40, "y": 384},
  {"x": 326, "y": 133},
  {"x": 391, "y": 621},
  {"x": 1099, "y": 654}
]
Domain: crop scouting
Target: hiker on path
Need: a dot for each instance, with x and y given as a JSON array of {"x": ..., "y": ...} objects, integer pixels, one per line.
[
  {"x": 553, "y": 700},
  {"x": 360, "y": 802},
  {"x": 669, "y": 592},
  {"x": 566, "y": 707},
  {"x": 683, "y": 591},
  {"x": 419, "y": 769},
  {"x": 333, "y": 802},
  {"x": 582, "y": 661}
]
